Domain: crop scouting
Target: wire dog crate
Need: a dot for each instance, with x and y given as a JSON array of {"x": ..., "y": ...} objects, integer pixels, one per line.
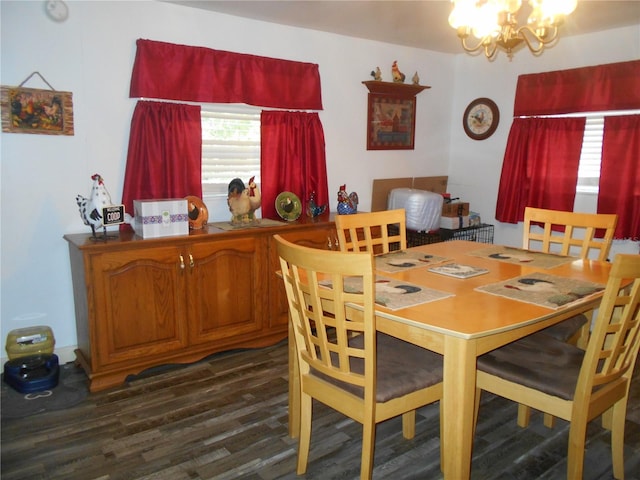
[{"x": 482, "y": 233}]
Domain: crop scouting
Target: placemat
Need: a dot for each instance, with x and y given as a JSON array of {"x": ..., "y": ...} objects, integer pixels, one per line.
[
  {"x": 543, "y": 289},
  {"x": 263, "y": 222},
  {"x": 520, "y": 256},
  {"x": 404, "y": 260},
  {"x": 395, "y": 294}
]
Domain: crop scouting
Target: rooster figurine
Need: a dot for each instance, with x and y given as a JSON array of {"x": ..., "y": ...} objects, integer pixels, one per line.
[
  {"x": 347, "y": 204},
  {"x": 91, "y": 208},
  {"x": 241, "y": 204},
  {"x": 396, "y": 74},
  {"x": 313, "y": 209}
]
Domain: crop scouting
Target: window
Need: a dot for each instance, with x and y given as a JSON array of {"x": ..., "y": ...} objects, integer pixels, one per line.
[
  {"x": 590, "y": 156},
  {"x": 230, "y": 146},
  {"x": 591, "y": 153}
]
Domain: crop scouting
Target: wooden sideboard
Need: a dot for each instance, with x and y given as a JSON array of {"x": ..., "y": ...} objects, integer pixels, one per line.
[{"x": 141, "y": 303}]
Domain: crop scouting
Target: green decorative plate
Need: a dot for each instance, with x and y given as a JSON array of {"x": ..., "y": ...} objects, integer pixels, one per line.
[{"x": 288, "y": 206}]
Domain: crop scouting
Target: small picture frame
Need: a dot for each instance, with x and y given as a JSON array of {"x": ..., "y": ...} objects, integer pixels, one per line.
[
  {"x": 31, "y": 110},
  {"x": 391, "y": 122}
]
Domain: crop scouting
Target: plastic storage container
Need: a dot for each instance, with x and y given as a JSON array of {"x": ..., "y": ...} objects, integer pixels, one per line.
[
  {"x": 30, "y": 341},
  {"x": 423, "y": 209}
]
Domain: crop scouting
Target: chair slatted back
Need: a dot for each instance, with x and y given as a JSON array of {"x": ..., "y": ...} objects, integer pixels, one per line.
[
  {"x": 613, "y": 346},
  {"x": 579, "y": 232},
  {"x": 313, "y": 276},
  {"x": 368, "y": 232}
]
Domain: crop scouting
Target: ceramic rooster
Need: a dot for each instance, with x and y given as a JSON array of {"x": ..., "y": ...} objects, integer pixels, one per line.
[
  {"x": 376, "y": 74},
  {"x": 313, "y": 209},
  {"x": 254, "y": 194},
  {"x": 396, "y": 74},
  {"x": 347, "y": 204},
  {"x": 91, "y": 208},
  {"x": 239, "y": 202}
]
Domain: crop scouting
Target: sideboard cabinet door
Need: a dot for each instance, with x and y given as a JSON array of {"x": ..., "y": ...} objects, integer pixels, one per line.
[
  {"x": 226, "y": 289},
  {"x": 139, "y": 303}
]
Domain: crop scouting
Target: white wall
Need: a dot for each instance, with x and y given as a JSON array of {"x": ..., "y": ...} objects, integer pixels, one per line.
[{"x": 91, "y": 55}]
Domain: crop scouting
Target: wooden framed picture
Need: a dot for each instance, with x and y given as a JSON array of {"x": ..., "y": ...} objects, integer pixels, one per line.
[
  {"x": 391, "y": 122},
  {"x": 31, "y": 110}
]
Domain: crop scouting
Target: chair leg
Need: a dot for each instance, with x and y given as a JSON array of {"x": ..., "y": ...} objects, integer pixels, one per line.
[
  {"x": 305, "y": 433},
  {"x": 575, "y": 456},
  {"x": 409, "y": 424},
  {"x": 549, "y": 420},
  {"x": 617, "y": 438},
  {"x": 476, "y": 410},
  {"x": 607, "y": 419},
  {"x": 583, "y": 334},
  {"x": 524, "y": 414},
  {"x": 368, "y": 445},
  {"x": 441, "y": 437}
]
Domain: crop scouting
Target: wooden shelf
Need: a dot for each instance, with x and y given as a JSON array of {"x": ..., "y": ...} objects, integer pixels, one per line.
[{"x": 393, "y": 88}]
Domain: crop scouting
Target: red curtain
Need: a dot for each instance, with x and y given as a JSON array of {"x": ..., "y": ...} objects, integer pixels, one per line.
[
  {"x": 164, "y": 158},
  {"x": 620, "y": 174},
  {"x": 614, "y": 86},
  {"x": 198, "y": 74},
  {"x": 292, "y": 158},
  {"x": 540, "y": 167}
]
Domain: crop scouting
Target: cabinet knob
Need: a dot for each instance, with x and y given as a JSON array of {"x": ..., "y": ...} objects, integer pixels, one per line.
[
  {"x": 191, "y": 262},
  {"x": 181, "y": 262}
]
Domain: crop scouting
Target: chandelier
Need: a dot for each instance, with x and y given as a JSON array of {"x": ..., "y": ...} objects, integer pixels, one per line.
[{"x": 493, "y": 23}]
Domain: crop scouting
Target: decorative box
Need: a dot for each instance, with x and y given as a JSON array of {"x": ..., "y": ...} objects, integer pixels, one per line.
[
  {"x": 456, "y": 209},
  {"x": 452, "y": 223},
  {"x": 161, "y": 218},
  {"x": 422, "y": 208}
]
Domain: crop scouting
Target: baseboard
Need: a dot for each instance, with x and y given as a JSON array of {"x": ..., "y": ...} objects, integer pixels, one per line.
[{"x": 65, "y": 355}]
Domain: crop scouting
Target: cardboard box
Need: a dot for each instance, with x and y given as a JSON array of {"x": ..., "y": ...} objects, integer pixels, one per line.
[
  {"x": 452, "y": 223},
  {"x": 456, "y": 209},
  {"x": 161, "y": 218}
]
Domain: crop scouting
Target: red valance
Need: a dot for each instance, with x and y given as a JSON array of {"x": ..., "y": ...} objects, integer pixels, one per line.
[
  {"x": 615, "y": 86},
  {"x": 198, "y": 74}
]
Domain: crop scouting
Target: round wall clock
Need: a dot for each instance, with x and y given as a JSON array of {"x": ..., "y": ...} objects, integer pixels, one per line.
[{"x": 481, "y": 118}]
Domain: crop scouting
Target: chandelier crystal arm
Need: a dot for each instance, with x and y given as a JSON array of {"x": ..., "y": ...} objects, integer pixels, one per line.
[{"x": 540, "y": 41}]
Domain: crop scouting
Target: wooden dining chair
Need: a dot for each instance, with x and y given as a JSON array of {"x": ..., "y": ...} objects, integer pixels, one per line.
[
  {"x": 369, "y": 232},
  {"x": 571, "y": 383},
  {"x": 567, "y": 233},
  {"x": 577, "y": 237},
  {"x": 343, "y": 361}
]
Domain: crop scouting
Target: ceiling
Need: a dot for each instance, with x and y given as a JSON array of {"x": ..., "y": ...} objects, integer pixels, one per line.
[{"x": 421, "y": 24}]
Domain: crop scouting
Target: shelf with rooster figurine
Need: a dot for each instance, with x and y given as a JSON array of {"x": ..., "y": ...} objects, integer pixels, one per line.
[
  {"x": 394, "y": 88},
  {"x": 397, "y": 87}
]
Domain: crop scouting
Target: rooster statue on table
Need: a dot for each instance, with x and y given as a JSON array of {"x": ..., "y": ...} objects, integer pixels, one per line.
[
  {"x": 91, "y": 208},
  {"x": 243, "y": 201},
  {"x": 347, "y": 204},
  {"x": 313, "y": 209}
]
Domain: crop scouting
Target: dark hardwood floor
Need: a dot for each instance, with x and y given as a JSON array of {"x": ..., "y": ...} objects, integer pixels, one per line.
[{"x": 226, "y": 418}]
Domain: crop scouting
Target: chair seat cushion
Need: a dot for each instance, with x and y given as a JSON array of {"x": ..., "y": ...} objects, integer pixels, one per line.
[
  {"x": 536, "y": 361},
  {"x": 402, "y": 368},
  {"x": 566, "y": 329}
]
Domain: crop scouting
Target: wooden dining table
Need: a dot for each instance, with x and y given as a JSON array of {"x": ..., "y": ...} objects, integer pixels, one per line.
[{"x": 465, "y": 325}]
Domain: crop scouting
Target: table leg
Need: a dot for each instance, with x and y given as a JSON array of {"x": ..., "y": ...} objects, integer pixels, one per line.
[
  {"x": 458, "y": 402},
  {"x": 294, "y": 387}
]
